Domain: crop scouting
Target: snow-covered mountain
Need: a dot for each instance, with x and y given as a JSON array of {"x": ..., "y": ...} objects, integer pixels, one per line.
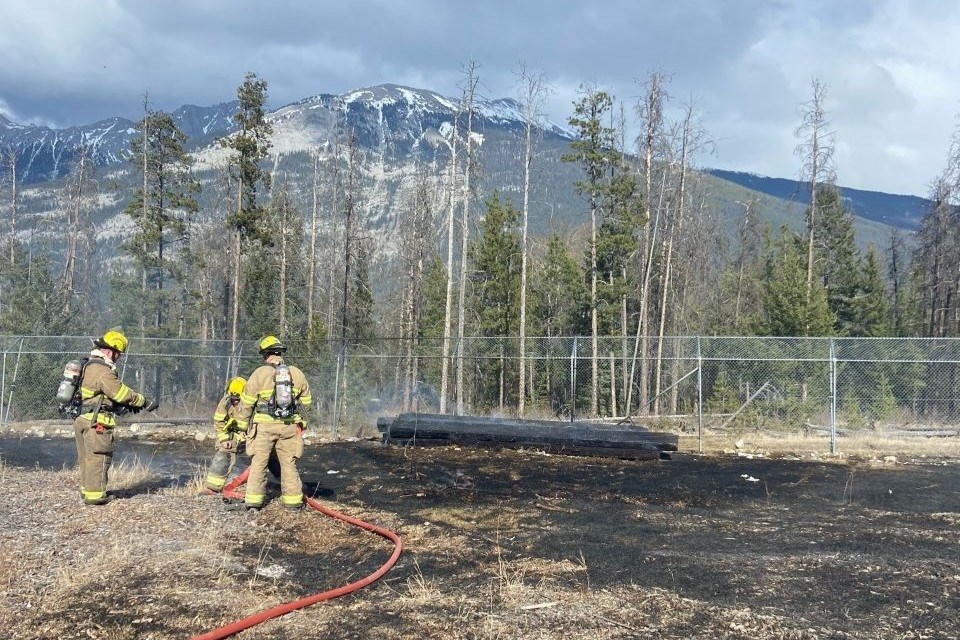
[
  {"x": 44, "y": 153},
  {"x": 385, "y": 117},
  {"x": 399, "y": 131}
]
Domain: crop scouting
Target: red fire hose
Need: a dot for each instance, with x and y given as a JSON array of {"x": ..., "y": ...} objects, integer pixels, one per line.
[{"x": 230, "y": 491}]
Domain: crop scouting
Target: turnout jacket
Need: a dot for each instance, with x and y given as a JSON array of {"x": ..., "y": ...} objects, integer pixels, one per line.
[
  {"x": 258, "y": 392},
  {"x": 102, "y": 390},
  {"x": 224, "y": 416}
]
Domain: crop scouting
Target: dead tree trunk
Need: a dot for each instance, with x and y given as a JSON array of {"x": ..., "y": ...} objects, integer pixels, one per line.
[
  {"x": 12, "y": 166},
  {"x": 651, "y": 113},
  {"x": 532, "y": 90},
  {"x": 465, "y": 229},
  {"x": 448, "y": 304}
]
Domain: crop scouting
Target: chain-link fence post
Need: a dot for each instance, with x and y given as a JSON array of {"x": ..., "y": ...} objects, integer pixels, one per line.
[
  {"x": 573, "y": 378},
  {"x": 3, "y": 384},
  {"x": 833, "y": 398},
  {"x": 13, "y": 385},
  {"x": 699, "y": 397}
]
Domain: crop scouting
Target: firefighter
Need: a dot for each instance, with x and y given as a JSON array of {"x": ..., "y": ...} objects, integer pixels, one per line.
[
  {"x": 230, "y": 441},
  {"x": 103, "y": 396},
  {"x": 272, "y": 405}
]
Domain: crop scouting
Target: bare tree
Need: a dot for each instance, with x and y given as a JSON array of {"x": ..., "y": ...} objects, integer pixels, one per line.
[
  {"x": 351, "y": 211},
  {"x": 10, "y": 160},
  {"x": 691, "y": 141},
  {"x": 533, "y": 93},
  {"x": 937, "y": 258},
  {"x": 78, "y": 187},
  {"x": 746, "y": 246},
  {"x": 336, "y": 193},
  {"x": 650, "y": 111},
  {"x": 312, "y": 265},
  {"x": 448, "y": 305},
  {"x": 284, "y": 214},
  {"x": 415, "y": 237},
  {"x": 468, "y": 98},
  {"x": 145, "y": 168},
  {"x": 816, "y": 153}
]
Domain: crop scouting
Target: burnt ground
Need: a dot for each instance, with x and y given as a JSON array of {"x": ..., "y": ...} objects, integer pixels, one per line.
[{"x": 506, "y": 544}]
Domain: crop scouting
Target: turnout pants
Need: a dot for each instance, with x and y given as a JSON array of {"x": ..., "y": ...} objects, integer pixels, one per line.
[
  {"x": 286, "y": 442},
  {"x": 223, "y": 463},
  {"x": 94, "y": 456}
]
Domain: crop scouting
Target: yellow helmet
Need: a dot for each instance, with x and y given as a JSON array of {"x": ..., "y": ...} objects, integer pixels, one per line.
[
  {"x": 271, "y": 344},
  {"x": 113, "y": 339},
  {"x": 236, "y": 385}
]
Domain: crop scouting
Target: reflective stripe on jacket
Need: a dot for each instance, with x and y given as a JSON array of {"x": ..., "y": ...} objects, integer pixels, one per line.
[
  {"x": 224, "y": 416},
  {"x": 102, "y": 388}
]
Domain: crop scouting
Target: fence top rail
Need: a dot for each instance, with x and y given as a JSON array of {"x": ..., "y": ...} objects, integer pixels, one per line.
[{"x": 630, "y": 338}]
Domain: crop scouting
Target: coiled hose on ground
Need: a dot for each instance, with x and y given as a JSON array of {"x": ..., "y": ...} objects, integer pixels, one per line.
[{"x": 231, "y": 491}]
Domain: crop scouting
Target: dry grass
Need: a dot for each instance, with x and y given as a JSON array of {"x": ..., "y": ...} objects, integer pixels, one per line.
[
  {"x": 130, "y": 472},
  {"x": 420, "y": 590},
  {"x": 797, "y": 443},
  {"x": 192, "y": 487}
]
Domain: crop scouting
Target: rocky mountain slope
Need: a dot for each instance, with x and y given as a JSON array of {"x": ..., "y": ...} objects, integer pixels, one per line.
[{"x": 400, "y": 131}]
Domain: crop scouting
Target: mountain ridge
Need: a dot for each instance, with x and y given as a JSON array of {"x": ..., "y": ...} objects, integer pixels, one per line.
[
  {"x": 897, "y": 210},
  {"x": 401, "y": 126}
]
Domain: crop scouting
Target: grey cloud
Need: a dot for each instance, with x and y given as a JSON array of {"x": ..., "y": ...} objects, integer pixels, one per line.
[{"x": 747, "y": 63}]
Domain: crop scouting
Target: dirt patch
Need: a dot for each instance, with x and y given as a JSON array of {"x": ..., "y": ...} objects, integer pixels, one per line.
[{"x": 499, "y": 544}]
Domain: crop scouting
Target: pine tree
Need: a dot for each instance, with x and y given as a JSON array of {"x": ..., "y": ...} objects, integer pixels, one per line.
[
  {"x": 869, "y": 309},
  {"x": 162, "y": 209},
  {"x": 32, "y": 306},
  {"x": 434, "y": 294},
  {"x": 363, "y": 329},
  {"x": 787, "y": 309},
  {"x": 559, "y": 307},
  {"x": 496, "y": 291},
  {"x": 259, "y": 295},
  {"x": 251, "y": 145},
  {"x": 898, "y": 275},
  {"x": 836, "y": 258},
  {"x": 595, "y": 149},
  {"x": 617, "y": 243},
  {"x": 496, "y": 260},
  {"x": 559, "y": 294}
]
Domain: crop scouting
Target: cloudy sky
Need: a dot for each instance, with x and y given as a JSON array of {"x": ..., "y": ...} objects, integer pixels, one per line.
[{"x": 891, "y": 67}]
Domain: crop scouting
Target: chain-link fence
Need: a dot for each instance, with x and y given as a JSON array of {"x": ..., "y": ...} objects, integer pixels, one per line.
[{"x": 837, "y": 386}]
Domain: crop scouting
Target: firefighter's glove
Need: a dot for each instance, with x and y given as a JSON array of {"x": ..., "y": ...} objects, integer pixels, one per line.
[
  {"x": 225, "y": 441},
  {"x": 151, "y": 405}
]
